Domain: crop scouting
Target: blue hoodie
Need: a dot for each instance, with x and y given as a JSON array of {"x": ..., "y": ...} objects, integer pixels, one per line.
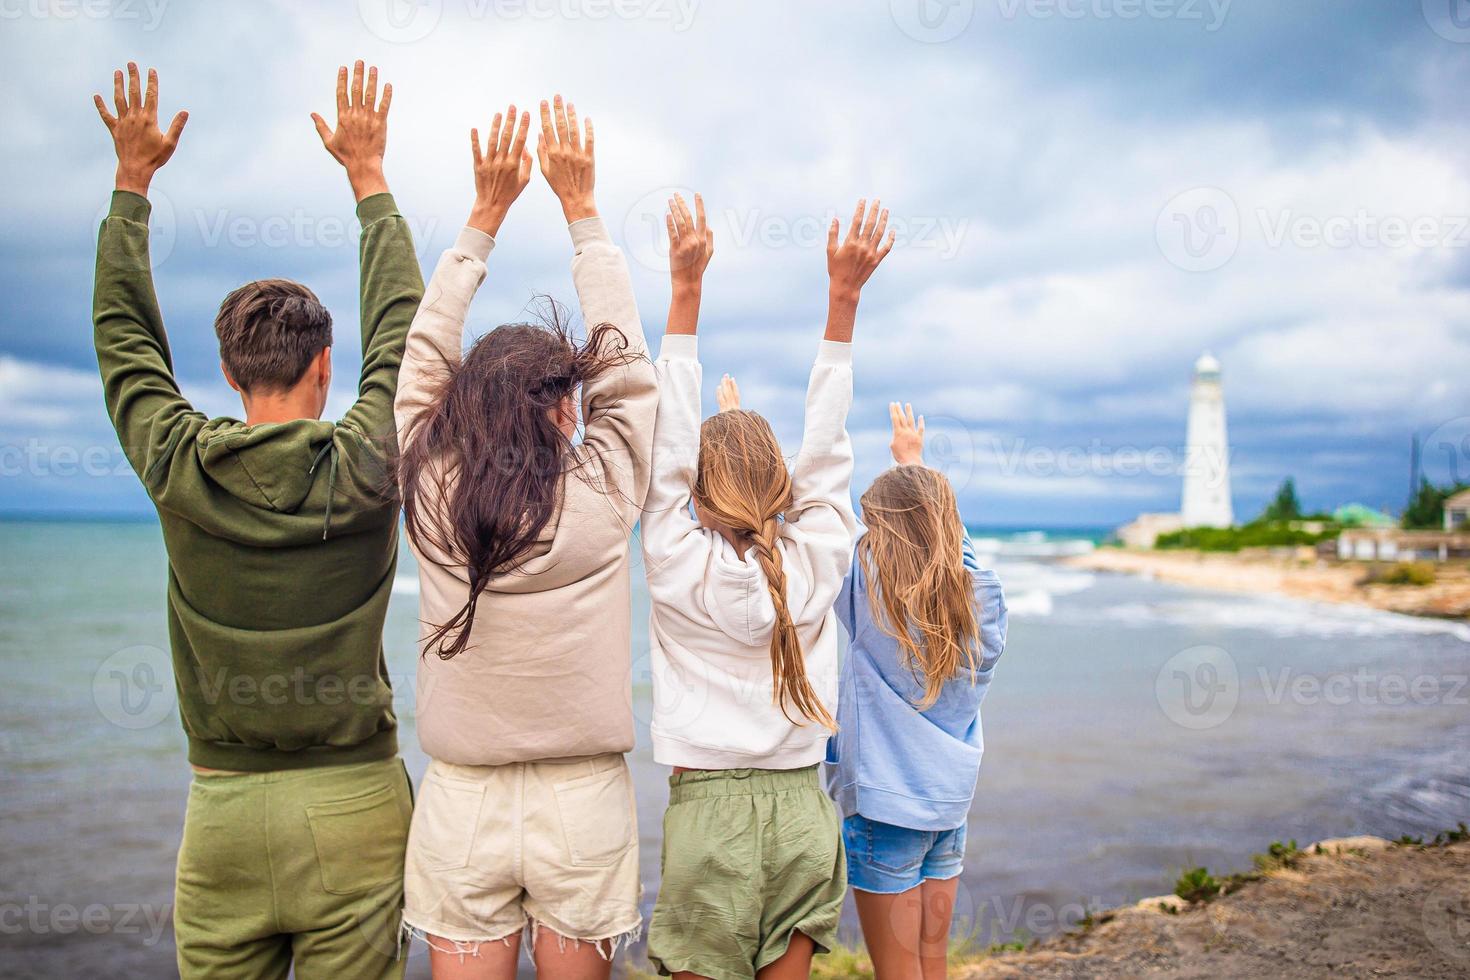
[{"x": 894, "y": 763}]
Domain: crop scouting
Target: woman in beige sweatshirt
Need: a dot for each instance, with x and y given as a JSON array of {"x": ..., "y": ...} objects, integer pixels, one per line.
[{"x": 524, "y": 702}]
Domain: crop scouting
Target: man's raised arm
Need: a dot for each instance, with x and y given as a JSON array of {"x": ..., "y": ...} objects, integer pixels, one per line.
[
  {"x": 391, "y": 284},
  {"x": 143, "y": 399}
]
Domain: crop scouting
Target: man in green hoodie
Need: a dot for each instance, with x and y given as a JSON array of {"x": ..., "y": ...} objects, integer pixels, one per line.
[{"x": 281, "y": 535}]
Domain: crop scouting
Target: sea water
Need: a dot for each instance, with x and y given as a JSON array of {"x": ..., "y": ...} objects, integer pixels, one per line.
[{"x": 1134, "y": 730}]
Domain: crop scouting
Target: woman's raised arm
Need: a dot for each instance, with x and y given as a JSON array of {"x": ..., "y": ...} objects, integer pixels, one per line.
[{"x": 436, "y": 338}]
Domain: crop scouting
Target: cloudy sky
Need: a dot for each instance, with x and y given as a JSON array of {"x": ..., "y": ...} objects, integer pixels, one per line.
[{"x": 1090, "y": 193}]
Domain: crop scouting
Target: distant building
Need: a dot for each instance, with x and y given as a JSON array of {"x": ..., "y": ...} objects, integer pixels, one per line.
[
  {"x": 1377, "y": 543},
  {"x": 1457, "y": 512},
  {"x": 1206, "y": 500},
  {"x": 1392, "y": 544},
  {"x": 1361, "y": 515}
]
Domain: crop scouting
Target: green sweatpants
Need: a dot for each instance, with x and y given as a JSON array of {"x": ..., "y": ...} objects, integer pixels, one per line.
[{"x": 303, "y": 866}]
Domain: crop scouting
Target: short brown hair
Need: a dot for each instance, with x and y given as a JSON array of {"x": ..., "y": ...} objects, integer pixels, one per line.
[{"x": 269, "y": 331}]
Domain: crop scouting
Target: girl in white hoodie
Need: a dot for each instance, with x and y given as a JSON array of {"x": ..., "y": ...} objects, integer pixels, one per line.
[{"x": 744, "y": 640}]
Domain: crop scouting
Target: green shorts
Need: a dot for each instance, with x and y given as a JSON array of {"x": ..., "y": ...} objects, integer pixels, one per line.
[
  {"x": 299, "y": 868},
  {"x": 750, "y": 856}
]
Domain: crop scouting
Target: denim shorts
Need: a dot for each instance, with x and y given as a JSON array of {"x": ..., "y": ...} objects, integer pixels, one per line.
[{"x": 887, "y": 860}]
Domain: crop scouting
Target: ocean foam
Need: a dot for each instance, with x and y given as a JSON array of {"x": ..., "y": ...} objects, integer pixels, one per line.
[
  {"x": 1031, "y": 587},
  {"x": 1280, "y": 617}
]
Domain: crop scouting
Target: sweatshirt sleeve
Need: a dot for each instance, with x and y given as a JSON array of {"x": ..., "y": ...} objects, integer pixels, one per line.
[
  {"x": 844, "y": 604},
  {"x": 821, "y": 524},
  {"x": 967, "y": 553},
  {"x": 667, "y": 523},
  {"x": 435, "y": 338},
  {"x": 618, "y": 408},
  {"x": 150, "y": 414},
  {"x": 993, "y": 620},
  {"x": 390, "y": 288},
  {"x": 991, "y": 601}
]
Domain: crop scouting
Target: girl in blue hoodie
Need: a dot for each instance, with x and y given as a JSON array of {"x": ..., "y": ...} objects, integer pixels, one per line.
[{"x": 927, "y": 625}]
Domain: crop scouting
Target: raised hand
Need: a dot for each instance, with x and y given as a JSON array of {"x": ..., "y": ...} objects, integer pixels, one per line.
[
  {"x": 361, "y": 135},
  {"x": 141, "y": 146},
  {"x": 908, "y": 435},
  {"x": 728, "y": 394},
  {"x": 691, "y": 242},
  {"x": 851, "y": 263},
  {"x": 502, "y": 170},
  {"x": 567, "y": 159}
]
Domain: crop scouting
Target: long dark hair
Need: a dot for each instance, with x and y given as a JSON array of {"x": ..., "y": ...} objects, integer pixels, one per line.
[{"x": 481, "y": 468}]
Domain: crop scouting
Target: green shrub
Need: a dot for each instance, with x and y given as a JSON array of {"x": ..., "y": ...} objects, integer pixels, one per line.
[
  {"x": 1278, "y": 855},
  {"x": 1197, "y": 885},
  {"x": 1260, "y": 534},
  {"x": 1416, "y": 573},
  {"x": 1442, "y": 839}
]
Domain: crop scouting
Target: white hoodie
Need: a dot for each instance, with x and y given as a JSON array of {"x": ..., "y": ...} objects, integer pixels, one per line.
[{"x": 712, "y": 617}]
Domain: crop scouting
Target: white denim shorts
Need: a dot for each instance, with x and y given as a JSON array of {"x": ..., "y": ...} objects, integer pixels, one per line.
[{"x": 552, "y": 844}]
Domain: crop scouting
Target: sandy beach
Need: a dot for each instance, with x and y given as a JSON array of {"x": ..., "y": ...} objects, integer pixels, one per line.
[
  {"x": 1354, "y": 907},
  {"x": 1265, "y": 573}
]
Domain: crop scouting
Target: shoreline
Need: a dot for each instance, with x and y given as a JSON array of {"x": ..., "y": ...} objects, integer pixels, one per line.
[
  {"x": 1350, "y": 907},
  {"x": 1343, "y": 908},
  {"x": 1271, "y": 574}
]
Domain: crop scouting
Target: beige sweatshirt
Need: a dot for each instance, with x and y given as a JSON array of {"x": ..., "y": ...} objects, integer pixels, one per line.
[{"x": 547, "y": 671}]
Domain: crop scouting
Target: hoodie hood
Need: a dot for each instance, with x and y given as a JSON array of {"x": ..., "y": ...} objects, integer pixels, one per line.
[
  {"x": 271, "y": 466},
  {"x": 280, "y": 484},
  {"x": 737, "y": 596}
]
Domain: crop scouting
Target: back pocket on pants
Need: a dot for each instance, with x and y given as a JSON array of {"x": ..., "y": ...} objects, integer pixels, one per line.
[
  {"x": 359, "y": 841},
  {"x": 597, "y": 816},
  {"x": 445, "y": 822}
]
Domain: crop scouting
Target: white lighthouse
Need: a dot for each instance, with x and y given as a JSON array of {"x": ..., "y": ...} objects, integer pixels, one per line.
[{"x": 1207, "y": 460}]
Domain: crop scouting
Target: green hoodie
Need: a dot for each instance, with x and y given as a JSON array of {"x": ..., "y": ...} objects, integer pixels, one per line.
[{"x": 281, "y": 542}]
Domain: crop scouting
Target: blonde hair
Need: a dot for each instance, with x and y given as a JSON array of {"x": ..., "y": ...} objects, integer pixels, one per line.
[
  {"x": 743, "y": 484},
  {"x": 919, "y": 589}
]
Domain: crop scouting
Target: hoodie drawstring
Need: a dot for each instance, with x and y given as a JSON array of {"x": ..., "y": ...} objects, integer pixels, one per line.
[{"x": 330, "y": 449}]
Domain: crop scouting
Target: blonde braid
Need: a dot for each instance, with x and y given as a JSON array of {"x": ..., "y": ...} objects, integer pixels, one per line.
[
  {"x": 789, "y": 682},
  {"x": 743, "y": 484}
]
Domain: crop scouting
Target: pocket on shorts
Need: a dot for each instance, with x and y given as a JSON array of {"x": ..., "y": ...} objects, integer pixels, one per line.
[
  {"x": 445, "y": 819},
  {"x": 951, "y": 844},
  {"x": 359, "y": 841},
  {"x": 897, "y": 849},
  {"x": 597, "y": 816}
]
